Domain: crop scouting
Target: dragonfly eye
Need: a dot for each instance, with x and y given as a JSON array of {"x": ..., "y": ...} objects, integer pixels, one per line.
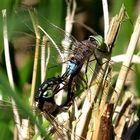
[
  {"x": 92, "y": 39},
  {"x": 48, "y": 94},
  {"x": 96, "y": 39}
]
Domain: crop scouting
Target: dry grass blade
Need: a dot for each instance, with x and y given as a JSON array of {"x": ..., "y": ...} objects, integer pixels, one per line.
[
  {"x": 106, "y": 17},
  {"x": 127, "y": 62},
  {"x": 44, "y": 63},
  {"x": 115, "y": 27},
  {"x": 43, "y": 56},
  {"x": 37, "y": 33}
]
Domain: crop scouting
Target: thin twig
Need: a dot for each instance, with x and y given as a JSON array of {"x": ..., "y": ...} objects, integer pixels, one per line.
[
  {"x": 37, "y": 33},
  {"x": 70, "y": 15},
  {"x": 106, "y": 17},
  {"x": 86, "y": 27},
  {"x": 43, "y": 56},
  {"x": 9, "y": 71},
  {"x": 44, "y": 59}
]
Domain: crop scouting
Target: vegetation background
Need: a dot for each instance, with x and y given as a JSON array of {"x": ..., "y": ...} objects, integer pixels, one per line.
[{"x": 89, "y": 12}]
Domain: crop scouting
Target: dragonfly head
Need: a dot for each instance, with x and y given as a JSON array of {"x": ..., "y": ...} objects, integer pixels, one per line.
[
  {"x": 96, "y": 39},
  {"x": 48, "y": 94},
  {"x": 44, "y": 96}
]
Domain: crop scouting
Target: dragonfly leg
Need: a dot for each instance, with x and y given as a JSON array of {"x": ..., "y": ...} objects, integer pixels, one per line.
[{"x": 97, "y": 59}]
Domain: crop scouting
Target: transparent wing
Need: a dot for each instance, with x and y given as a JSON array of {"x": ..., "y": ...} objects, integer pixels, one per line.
[
  {"x": 56, "y": 34},
  {"x": 23, "y": 37}
]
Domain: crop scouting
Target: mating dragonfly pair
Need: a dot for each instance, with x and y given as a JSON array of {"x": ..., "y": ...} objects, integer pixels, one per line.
[
  {"x": 48, "y": 89},
  {"x": 79, "y": 54}
]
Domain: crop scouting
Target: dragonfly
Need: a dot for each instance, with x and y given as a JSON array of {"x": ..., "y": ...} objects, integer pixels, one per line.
[{"x": 81, "y": 54}]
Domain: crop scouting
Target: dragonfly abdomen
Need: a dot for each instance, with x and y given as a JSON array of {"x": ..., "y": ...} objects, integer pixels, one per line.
[{"x": 46, "y": 85}]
